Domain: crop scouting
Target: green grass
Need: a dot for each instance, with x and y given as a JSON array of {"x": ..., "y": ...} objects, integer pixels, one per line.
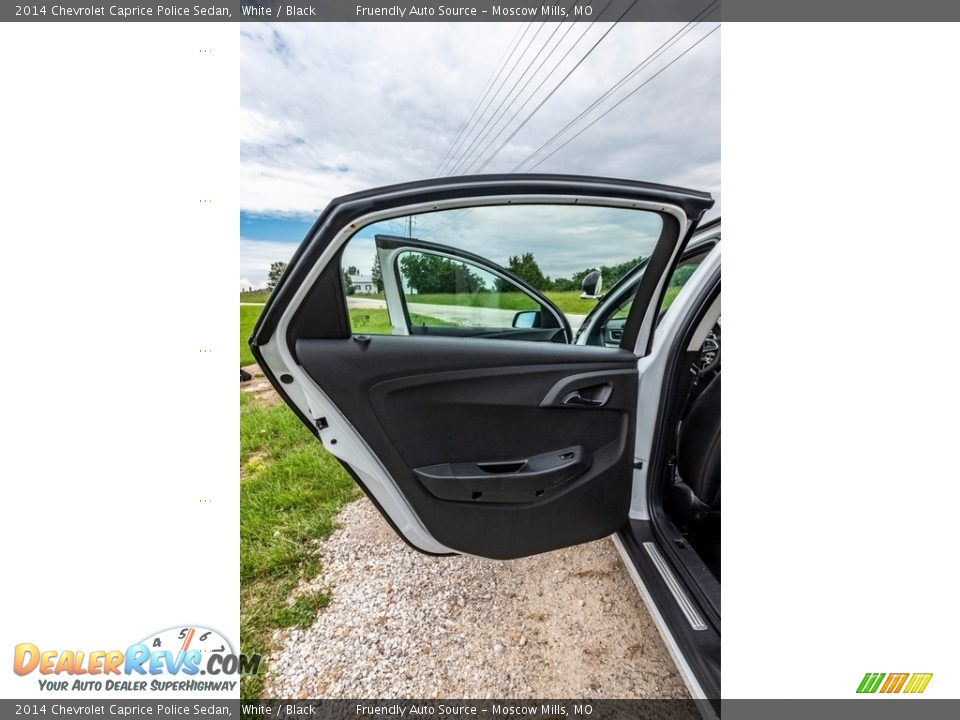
[
  {"x": 260, "y": 296},
  {"x": 370, "y": 320},
  {"x": 669, "y": 296},
  {"x": 376, "y": 321},
  {"x": 248, "y": 318},
  {"x": 567, "y": 301},
  {"x": 290, "y": 490},
  {"x": 418, "y": 319}
]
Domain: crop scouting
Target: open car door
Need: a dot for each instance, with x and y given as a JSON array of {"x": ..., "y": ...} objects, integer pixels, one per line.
[{"x": 466, "y": 439}]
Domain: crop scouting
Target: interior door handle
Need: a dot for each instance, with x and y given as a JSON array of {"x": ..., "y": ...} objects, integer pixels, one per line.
[
  {"x": 591, "y": 390},
  {"x": 578, "y": 400}
]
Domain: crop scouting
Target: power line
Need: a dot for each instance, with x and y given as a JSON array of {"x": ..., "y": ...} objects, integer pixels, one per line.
[
  {"x": 556, "y": 87},
  {"x": 503, "y": 84},
  {"x": 495, "y": 118},
  {"x": 494, "y": 76},
  {"x": 525, "y": 29},
  {"x": 544, "y": 80},
  {"x": 593, "y": 122},
  {"x": 457, "y": 218},
  {"x": 619, "y": 102},
  {"x": 550, "y": 94},
  {"x": 658, "y": 52},
  {"x": 445, "y": 223}
]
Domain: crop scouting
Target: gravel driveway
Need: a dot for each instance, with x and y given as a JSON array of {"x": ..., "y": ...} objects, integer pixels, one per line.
[{"x": 401, "y": 624}]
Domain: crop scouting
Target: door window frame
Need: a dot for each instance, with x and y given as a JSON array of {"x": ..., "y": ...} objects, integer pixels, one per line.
[
  {"x": 393, "y": 291},
  {"x": 644, "y": 331}
]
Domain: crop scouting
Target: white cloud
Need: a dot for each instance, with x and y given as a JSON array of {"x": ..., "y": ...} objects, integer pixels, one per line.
[
  {"x": 273, "y": 189},
  {"x": 328, "y": 109},
  {"x": 331, "y": 108},
  {"x": 246, "y": 284},
  {"x": 256, "y": 257}
]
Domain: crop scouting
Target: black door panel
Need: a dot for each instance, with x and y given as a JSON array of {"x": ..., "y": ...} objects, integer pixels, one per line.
[{"x": 466, "y": 434}]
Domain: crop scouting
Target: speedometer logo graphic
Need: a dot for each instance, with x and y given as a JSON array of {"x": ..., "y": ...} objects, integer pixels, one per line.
[{"x": 185, "y": 638}]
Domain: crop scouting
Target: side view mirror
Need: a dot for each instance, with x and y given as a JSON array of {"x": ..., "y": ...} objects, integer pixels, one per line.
[
  {"x": 591, "y": 286},
  {"x": 527, "y": 319}
]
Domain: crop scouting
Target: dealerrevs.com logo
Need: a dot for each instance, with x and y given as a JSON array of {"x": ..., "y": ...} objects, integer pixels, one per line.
[
  {"x": 910, "y": 683},
  {"x": 180, "y": 659}
]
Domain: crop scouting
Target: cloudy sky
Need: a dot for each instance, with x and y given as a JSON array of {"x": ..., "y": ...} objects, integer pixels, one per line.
[{"x": 330, "y": 108}]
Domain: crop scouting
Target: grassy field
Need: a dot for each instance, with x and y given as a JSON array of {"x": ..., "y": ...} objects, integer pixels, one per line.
[
  {"x": 376, "y": 321},
  {"x": 290, "y": 489},
  {"x": 568, "y": 302},
  {"x": 248, "y": 318},
  {"x": 669, "y": 296}
]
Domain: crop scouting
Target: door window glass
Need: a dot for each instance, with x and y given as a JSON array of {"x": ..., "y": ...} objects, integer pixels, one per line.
[
  {"x": 679, "y": 278},
  {"x": 512, "y": 271},
  {"x": 441, "y": 292}
]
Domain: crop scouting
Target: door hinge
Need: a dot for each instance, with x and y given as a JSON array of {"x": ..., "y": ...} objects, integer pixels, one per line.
[{"x": 321, "y": 423}]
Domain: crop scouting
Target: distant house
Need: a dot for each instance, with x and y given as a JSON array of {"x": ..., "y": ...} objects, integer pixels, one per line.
[{"x": 363, "y": 284}]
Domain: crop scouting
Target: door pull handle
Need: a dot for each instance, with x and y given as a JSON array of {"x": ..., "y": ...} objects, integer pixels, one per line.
[{"x": 578, "y": 400}]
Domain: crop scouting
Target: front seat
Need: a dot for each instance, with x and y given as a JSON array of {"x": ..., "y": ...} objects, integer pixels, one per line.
[{"x": 695, "y": 494}]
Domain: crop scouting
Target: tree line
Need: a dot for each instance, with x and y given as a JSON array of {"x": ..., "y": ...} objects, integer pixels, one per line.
[{"x": 428, "y": 273}]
